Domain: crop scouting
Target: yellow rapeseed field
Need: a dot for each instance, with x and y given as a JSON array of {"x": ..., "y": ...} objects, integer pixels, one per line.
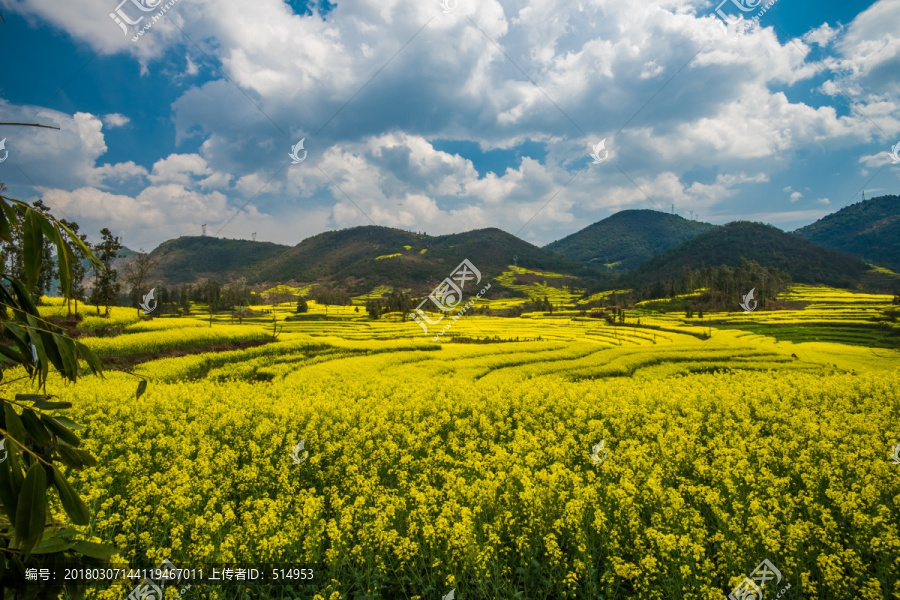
[{"x": 466, "y": 466}]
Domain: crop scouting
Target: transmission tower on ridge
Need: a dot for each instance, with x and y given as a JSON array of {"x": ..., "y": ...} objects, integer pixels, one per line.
[
  {"x": 254, "y": 236},
  {"x": 204, "y": 229}
]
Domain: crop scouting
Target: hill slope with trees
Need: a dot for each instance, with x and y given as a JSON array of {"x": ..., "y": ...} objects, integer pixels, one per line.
[
  {"x": 362, "y": 258},
  {"x": 191, "y": 258},
  {"x": 628, "y": 238},
  {"x": 729, "y": 244},
  {"x": 868, "y": 229}
]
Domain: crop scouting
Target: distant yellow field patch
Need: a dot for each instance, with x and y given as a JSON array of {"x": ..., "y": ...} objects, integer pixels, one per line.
[{"x": 388, "y": 256}]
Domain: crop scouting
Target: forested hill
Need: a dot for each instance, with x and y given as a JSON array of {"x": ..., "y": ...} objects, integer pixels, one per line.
[
  {"x": 804, "y": 261},
  {"x": 628, "y": 238},
  {"x": 869, "y": 229},
  {"x": 362, "y": 258},
  {"x": 191, "y": 258},
  {"x": 358, "y": 259}
]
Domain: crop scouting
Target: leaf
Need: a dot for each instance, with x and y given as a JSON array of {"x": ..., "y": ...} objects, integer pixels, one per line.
[
  {"x": 67, "y": 422},
  {"x": 21, "y": 336},
  {"x": 11, "y": 354},
  {"x": 31, "y": 397},
  {"x": 32, "y": 247},
  {"x": 5, "y": 231},
  {"x": 23, "y": 297},
  {"x": 86, "y": 457},
  {"x": 34, "y": 428},
  {"x": 87, "y": 252},
  {"x": 88, "y": 355},
  {"x": 142, "y": 387},
  {"x": 54, "y": 544},
  {"x": 15, "y": 469},
  {"x": 45, "y": 405},
  {"x": 14, "y": 425},
  {"x": 31, "y": 510},
  {"x": 52, "y": 353},
  {"x": 38, "y": 348},
  {"x": 70, "y": 457},
  {"x": 60, "y": 431},
  {"x": 63, "y": 256},
  {"x": 71, "y": 501},
  {"x": 8, "y": 494},
  {"x": 66, "y": 347},
  {"x": 95, "y": 550}
]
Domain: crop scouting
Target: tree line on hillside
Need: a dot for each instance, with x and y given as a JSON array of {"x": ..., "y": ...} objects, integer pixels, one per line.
[{"x": 723, "y": 285}]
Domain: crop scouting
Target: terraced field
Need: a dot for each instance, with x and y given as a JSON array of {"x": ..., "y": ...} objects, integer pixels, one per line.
[{"x": 465, "y": 464}]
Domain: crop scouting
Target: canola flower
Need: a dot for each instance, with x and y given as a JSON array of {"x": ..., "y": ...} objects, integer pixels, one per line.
[{"x": 467, "y": 466}]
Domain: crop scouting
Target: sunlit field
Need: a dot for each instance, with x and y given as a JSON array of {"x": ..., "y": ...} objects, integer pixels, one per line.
[{"x": 465, "y": 464}]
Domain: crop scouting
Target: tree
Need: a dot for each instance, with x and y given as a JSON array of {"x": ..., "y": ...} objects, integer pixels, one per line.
[
  {"x": 48, "y": 271},
  {"x": 106, "y": 279},
  {"x": 373, "y": 307},
  {"x": 40, "y": 446},
  {"x": 137, "y": 271},
  {"x": 78, "y": 267},
  {"x": 302, "y": 305}
]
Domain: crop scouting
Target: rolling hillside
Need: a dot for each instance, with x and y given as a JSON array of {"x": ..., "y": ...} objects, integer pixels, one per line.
[
  {"x": 869, "y": 229},
  {"x": 628, "y": 238},
  {"x": 191, "y": 258},
  {"x": 362, "y": 258},
  {"x": 767, "y": 245},
  {"x": 357, "y": 259}
]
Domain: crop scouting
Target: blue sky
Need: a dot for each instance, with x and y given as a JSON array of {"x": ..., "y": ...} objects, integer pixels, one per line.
[{"x": 412, "y": 117}]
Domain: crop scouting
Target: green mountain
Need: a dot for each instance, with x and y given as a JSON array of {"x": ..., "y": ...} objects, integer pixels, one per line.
[
  {"x": 191, "y": 258},
  {"x": 769, "y": 246},
  {"x": 358, "y": 259},
  {"x": 362, "y": 258},
  {"x": 869, "y": 229},
  {"x": 628, "y": 238}
]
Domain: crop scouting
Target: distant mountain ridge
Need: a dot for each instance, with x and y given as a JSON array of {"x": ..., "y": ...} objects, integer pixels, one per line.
[
  {"x": 628, "y": 238},
  {"x": 360, "y": 259},
  {"x": 769, "y": 246},
  {"x": 869, "y": 229},
  {"x": 356, "y": 259},
  {"x": 190, "y": 258}
]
